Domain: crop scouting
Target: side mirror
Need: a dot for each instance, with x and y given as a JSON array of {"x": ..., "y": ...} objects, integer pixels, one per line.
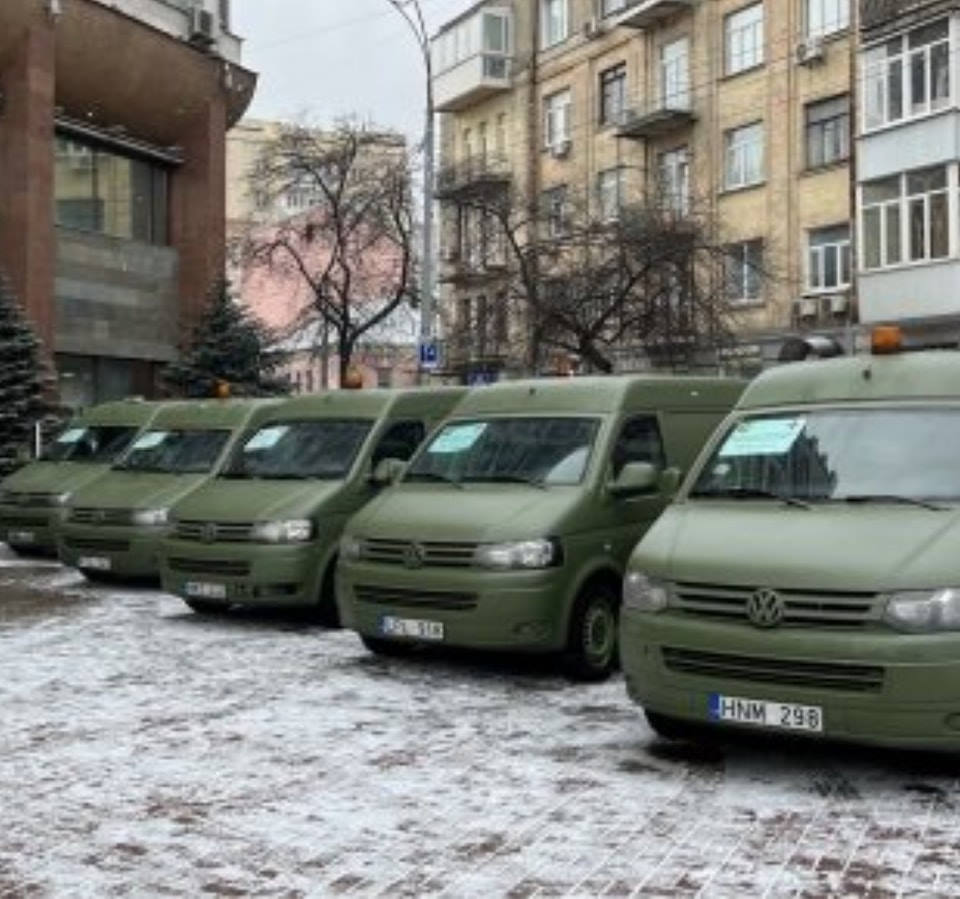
[
  {"x": 669, "y": 481},
  {"x": 635, "y": 478},
  {"x": 387, "y": 471}
]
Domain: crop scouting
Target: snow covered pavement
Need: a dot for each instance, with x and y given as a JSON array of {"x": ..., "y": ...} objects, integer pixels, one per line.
[{"x": 145, "y": 751}]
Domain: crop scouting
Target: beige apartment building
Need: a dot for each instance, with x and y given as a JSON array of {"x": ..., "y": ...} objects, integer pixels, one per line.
[{"x": 737, "y": 111}]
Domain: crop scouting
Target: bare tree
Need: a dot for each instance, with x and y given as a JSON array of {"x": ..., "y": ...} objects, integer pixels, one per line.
[{"x": 352, "y": 246}]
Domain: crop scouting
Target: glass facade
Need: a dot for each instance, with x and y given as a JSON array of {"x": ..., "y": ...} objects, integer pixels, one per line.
[{"x": 101, "y": 190}]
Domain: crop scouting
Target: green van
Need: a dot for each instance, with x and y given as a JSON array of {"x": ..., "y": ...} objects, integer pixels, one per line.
[
  {"x": 31, "y": 499},
  {"x": 265, "y": 531},
  {"x": 511, "y": 527},
  {"x": 806, "y": 578},
  {"x": 113, "y": 527}
]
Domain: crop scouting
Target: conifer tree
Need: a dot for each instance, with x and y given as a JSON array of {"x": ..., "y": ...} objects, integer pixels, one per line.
[
  {"x": 228, "y": 345},
  {"x": 23, "y": 381}
]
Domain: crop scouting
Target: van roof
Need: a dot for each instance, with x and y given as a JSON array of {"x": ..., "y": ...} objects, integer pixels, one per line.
[
  {"x": 366, "y": 403},
  {"x": 602, "y": 394},
  {"x": 915, "y": 375},
  {"x": 121, "y": 412},
  {"x": 210, "y": 413}
]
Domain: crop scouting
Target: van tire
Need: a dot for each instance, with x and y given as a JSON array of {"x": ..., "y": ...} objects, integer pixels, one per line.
[
  {"x": 674, "y": 729},
  {"x": 592, "y": 653},
  {"x": 381, "y": 647},
  {"x": 201, "y": 607}
]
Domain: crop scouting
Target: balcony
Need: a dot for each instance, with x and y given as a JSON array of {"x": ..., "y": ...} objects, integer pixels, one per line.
[
  {"x": 647, "y": 13},
  {"x": 656, "y": 119},
  {"x": 471, "y": 81},
  {"x": 474, "y": 177}
]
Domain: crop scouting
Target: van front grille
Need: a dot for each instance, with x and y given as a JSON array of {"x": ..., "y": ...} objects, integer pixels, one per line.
[
  {"x": 95, "y": 544},
  {"x": 13, "y": 498},
  {"x": 802, "y": 608},
  {"x": 416, "y": 599},
  {"x": 214, "y": 531},
  {"x": 228, "y": 567},
  {"x": 101, "y": 516},
  {"x": 765, "y": 670},
  {"x": 430, "y": 553},
  {"x": 23, "y": 521}
]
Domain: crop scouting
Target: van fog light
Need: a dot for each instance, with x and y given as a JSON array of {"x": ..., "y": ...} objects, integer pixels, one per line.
[
  {"x": 953, "y": 721},
  {"x": 924, "y": 611}
]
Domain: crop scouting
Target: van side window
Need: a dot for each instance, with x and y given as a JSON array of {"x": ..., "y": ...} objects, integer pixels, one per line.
[
  {"x": 399, "y": 442},
  {"x": 639, "y": 441}
]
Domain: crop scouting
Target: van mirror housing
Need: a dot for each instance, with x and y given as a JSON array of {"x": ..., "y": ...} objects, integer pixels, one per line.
[
  {"x": 669, "y": 481},
  {"x": 387, "y": 471},
  {"x": 634, "y": 478}
]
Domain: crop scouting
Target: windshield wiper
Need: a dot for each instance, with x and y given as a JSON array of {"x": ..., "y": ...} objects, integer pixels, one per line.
[
  {"x": 892, "y": 498},
  {"x": 432, "y": 476},
  {"x": 750, "y": 493},
  {"x": 506, "y": 479}
]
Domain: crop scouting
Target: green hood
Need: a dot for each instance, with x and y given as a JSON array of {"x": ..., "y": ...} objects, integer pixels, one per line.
[
  {"x": 54, "y": 477},
  {"x": 477, "y": 513},
  {"x": 829, "y": 547},
  {"x": 136, "y": 490},
  {"x": 229, "y": 500}
]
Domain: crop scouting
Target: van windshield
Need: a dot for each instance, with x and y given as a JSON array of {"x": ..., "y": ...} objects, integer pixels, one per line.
[
  {"x": 838, "y": 454},
  {"x": 297, "y": 450},
  {"x": 185, "y": 451},
  {"x": 96, "y": 443},
  {"x": 531, "y": 450}
]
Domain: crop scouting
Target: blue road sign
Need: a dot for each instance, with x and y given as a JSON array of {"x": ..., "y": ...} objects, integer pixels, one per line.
[{"x": 429, "y": 354}]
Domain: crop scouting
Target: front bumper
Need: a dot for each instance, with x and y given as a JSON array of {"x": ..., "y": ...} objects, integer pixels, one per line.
[
  {"x": 499, "y": 610},
  {"x": 29, "y": 528},
  {"x": 129, "y": 552},
  {"x": 249, "y": 573},
  {"x": 887, "y": 689}
]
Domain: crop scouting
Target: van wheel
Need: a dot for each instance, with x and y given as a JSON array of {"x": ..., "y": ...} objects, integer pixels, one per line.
[
  {"x": 671, "y": 728},
  {"x": 386, "y": 647},
  {"x": 202, "y": 607},
  {"x": 591, "y": 653}
]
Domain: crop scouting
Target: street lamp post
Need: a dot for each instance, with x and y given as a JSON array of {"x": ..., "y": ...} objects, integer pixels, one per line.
[{"x": 413, "y": 16}]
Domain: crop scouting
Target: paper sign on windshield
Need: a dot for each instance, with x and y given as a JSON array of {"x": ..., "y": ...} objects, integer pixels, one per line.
[
  {"x": 151, "y": 440},
  {"x": 763, "y": 437},
  {"x": 71, "y": 436},
  {"x": 457, "y": 438},
  {"x": 268, "y": 438}
]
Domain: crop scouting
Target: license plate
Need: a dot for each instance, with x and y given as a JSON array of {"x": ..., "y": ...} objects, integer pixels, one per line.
[
  {"x": 203, "y": 590},
  {"x": 21, "y": 537},
  {"x": 95, "y": 563},
  {"x": 779, "y": 715},
  {"x": 416, "y": 628}
]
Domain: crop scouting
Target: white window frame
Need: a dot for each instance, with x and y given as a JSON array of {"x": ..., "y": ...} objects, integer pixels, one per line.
[
  {"x": 743, "y": 38},
  {"x": 743, "y": 151},
  {"x": 673, "y": 169},
  {"x": 554, "y": 22},
  {"x": 749, "y": 275},
  {"x": 891, "y": 63},
  {"x": 823, "y": 17},
  {"x": 825, "y": 127},
  {"x": 556, "y": 118},
  {"x": 675, "y": 74},
  {"x": 817, "y": 258},
  {"x": 610, "y": 193},
  {"x": 555, "y": 199}
]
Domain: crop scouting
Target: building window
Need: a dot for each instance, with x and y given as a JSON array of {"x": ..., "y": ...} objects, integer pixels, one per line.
[
  {"x": 743, "y": 39},
  {"x": 826, "y": 16},
  {"x": 309, "y": 380},
  {"x": 675, "y": 74},
  {"x": 828, "y": 258},
  {"x": 744, "y": 156},
  {"x": 554, "y": 22},
  {"x": 467, "y": 145},
  {"x": 613, "y": 94},
  {"x": 880, "y": 221},
  {"x": 927, "y": 217},
  {"x": 500, "y": 136},
  {"x": 501, "y": 321},
  {"x": 610, "y": 194},
  {"x": 464, "y": 41},
  {"x": 609, "y": 7},
  {"x": 907, "y": 76},
  {"x": 674, "y": 172},
  {"x": 101, "y": 190},
  {"x": 384, "y": 377},
  {"x": 743, "y": 269},
  {"x": 828, "y": 131},
  {"x": 555, "y": 210},
  {"x": 482, "y": 142},
  {"x": 556, "y": 119}
]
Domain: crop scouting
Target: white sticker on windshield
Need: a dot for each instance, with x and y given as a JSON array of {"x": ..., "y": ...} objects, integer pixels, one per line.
[
  {"x": 457, "y": 438},
  {"x": 268, "y": 438},
  {"x": 763, "y": 437},
  {"x": 151, "y": 440},
  {"x": 71, "y": 436}
]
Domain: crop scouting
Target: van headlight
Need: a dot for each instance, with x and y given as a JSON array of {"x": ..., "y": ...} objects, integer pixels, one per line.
[
  {"x": 924, "y": 611},
  {"x": 351, "y": 548},
  {"x": 644, "y": 594},
  {"x": 150, "y": 518},
  {"x": 58, "y": 499},
  {"x": 297, "y": 530},
  {"x": 543, "y": 553}
]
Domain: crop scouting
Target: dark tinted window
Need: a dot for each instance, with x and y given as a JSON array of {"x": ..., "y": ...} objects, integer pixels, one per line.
[
  {"x": 190, "y": 451},
  {"x": 400, "y": 441},
  {"x": 98, "y": 444},
  {"x": 639, "y": 441}
]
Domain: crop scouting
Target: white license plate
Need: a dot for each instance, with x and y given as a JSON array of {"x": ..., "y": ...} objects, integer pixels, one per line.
[
  {"x": 758, "y": 712},
  {"x": 390, "y": 626},
  {"x": 21, "y": 537},
  {"x": 203, "y": 590},
  {"x": 95, "y": 563}
]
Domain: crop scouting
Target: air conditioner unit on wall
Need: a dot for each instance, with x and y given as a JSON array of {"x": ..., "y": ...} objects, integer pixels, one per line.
[
  {"x": 201, "y": 26},
  {"x": 837, "y": 304},
  {"x": 593, "y": 28},
  {"x": 810, "y": 50},
  {"x": 560, "y": 149},
  {"x": 805, "y": 309}
]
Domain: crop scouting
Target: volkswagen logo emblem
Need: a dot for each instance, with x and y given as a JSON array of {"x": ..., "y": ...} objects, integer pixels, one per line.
[
  {"x": 765, "y": 608},
  {"x": 414, "y": 555},
  {"x": 209, "y": 533}
]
